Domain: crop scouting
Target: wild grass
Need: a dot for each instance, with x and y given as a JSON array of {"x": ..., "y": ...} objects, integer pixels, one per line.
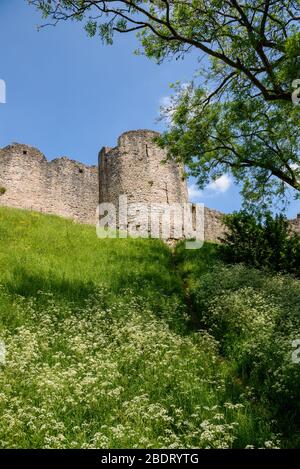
[
  {"x": 101, "y": 351},
  {"x": 255, "y": 318}
]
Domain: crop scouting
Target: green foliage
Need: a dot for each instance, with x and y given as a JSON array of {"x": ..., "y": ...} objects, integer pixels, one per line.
[
  {"x": 255, "y": 317},
  {"x": 250, "y": 138},
  {"x": 100, "y": 351},
  {"x": 2, "y": 190},
  {"x": 91, "y": 28},
  {"x": 266, "y": 243}
]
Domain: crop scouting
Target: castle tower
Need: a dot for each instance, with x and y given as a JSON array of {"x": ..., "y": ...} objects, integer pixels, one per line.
[{"x": 134, "y": 168}]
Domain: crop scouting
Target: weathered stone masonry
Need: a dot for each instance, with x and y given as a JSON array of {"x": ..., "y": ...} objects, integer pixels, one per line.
[
  {"x": 295, "y": 224},
  {"x": 61, "y": 186},
  {"x": 134, "y": 168},
  {"x": 73, "y": 190}
]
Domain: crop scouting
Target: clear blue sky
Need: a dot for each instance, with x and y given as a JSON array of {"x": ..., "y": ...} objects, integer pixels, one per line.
[{"x": 69, "y": 95}]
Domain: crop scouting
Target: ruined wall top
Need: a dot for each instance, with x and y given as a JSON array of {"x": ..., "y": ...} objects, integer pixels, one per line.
[
  {"x": 27, "y": 151},
  {"x": 62, "y": 186},
  {"x": 137, "y": 168},
  {"x": 72, "y": 189},
  {"x": 21, "y": 149},
  {"x": 141, "y": 134}
]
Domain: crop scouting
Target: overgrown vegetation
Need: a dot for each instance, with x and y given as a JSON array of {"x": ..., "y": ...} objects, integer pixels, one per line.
[
  {"x": 255, "y": 318},
  {"x": 101, "y": 350},
  {"x": 266, "y": 242}
]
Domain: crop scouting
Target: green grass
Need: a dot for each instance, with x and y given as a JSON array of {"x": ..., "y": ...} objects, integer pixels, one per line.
[
  {"x": 101, "y": 350},
  {"x": 255, "y": 317},
  {"x": 53, "y": 254}
]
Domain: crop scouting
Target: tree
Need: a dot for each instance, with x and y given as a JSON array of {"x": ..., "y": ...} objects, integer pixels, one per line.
[{"x": 241, "y": 118}]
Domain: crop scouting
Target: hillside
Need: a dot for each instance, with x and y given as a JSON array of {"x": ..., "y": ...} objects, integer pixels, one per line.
[{"x": 106, "y": 344}]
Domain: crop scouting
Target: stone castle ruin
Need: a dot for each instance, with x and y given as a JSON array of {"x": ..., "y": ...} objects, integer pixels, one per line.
[
  {"x": 61, "y": 186},
  {"x": 73, "y": 190}
]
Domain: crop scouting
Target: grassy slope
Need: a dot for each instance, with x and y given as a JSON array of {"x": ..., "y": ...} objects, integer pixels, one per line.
[
  {"x": 255, "y": 317},
  {"x": 100, "y": 350}
]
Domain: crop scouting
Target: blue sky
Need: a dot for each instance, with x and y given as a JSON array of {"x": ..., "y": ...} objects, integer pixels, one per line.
[{"x": 69, "y": 95}]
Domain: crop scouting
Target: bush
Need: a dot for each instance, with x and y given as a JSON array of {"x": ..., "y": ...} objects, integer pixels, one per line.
[
  {"x": 2, "y": 190},
  {"x": 266, "y": 243},
  {"x": 255, "y": 318}
]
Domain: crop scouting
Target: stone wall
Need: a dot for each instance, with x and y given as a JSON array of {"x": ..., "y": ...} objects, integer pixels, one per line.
[
  {"x": 61, "y": 186},
  {"x": 295, "y": 224},
  {"x": 135, "y": 168},
  {"x": 214, "y": 228}
]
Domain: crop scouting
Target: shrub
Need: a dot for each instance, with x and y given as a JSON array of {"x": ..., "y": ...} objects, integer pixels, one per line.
[
  {"x": 263, "y": 243},
  {"x": 255, "y": 317},
  {"x": 2, "y": 190}
]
